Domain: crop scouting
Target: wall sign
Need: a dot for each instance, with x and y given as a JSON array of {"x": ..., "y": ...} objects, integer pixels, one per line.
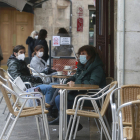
[
  {"x": 80, "y": 19},
  {"x": 80, "y": 25},
  {"x": 65, "y": 40},
  {"x": 56, "y": 40}
]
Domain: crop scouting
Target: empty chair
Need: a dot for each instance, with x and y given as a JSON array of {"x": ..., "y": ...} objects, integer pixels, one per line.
[
  {"x": 77, "y": 111},
  {"x": 15, "y": 114}
]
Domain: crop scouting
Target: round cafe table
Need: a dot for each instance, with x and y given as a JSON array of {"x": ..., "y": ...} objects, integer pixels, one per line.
[{"x": 63, "y": 104}]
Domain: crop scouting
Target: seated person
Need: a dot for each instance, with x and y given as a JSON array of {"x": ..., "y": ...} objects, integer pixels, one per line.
[
  {"x": 89, "y": 71},
  {"x": 38, "y": 63},
  {"x": 18, "y": 67}
]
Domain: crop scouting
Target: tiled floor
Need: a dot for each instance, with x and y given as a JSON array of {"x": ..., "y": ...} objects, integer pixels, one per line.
[{"x": 26, "y": 129}]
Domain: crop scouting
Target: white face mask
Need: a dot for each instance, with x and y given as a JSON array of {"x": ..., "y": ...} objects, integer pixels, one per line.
[
  {"x": 21, "y": 57},
  {"x": 36, "y": 37},
  {"x": 40, "y": 54}
]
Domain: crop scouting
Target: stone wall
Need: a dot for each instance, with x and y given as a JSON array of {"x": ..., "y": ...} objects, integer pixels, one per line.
[
  {"x": 132, "y": 42},
  {"x": 56, "y": 13}
]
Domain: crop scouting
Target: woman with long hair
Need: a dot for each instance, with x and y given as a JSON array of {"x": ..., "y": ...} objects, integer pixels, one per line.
[
  {"x": 89, "y": 71},
  {"x": 42, "y": 41},
  {"x": 30, "y": 42}
]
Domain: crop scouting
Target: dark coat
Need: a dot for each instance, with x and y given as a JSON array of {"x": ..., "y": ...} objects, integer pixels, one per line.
[
  {"x": 31, "y": 43},
  {"x": 19, "y": 68},
  {"x": 92, "y": 73},
  {"x": 43, "y": 43}
]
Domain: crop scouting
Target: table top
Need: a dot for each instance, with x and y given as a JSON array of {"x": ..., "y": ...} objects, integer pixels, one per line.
[
  {"x": 61, "y": 76},
  {"x": 76, "y": 86}
]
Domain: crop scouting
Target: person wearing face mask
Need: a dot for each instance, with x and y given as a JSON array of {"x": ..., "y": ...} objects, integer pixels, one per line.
[
  {"x": 18, "y": 67},
  {"x": 42, "y": 41},
  {"x": 89, "y": 71},
  {"x": 38, "y": 63},
  {"x": 30, "y": 42}
]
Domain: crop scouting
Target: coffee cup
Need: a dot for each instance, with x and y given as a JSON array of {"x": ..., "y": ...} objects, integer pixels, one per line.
[{"x": 59, "y": 72}]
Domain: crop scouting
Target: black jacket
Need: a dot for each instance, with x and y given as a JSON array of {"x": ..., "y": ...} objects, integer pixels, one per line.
[
  {"x": 19, "y": 68},
  {"x": 31, "y": 43},
  {"x": 43, "y": 43}
]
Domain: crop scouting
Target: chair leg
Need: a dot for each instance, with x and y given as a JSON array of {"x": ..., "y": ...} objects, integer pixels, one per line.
[
  {"x": 108, "y": 127},
  {"x": 78, "y": 119},
  {"x": 8, "y": 114},
  {"x": 105, "y": 128},
  {"x": 4, "y": 109},
  {"x": 5, "y": 127},
  {"x": 38, "y": 127},
  {"x": 70, "y": 121},
  {"x": 11, "y": 129},
  {"x": 46, "y": 126},
  {"x": 74, "y": 120},
  {"x": 101, "y": 135},
  {"x": 1, "y": 99},
  {"x": 97, "y": 125}
]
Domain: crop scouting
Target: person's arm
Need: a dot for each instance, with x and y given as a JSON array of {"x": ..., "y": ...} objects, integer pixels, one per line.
[
  {"x": 96, "y": 76},
  {"x": 72, "y": 78},
  {"x": 14, "y": 71},
  {"x": 36, "y": 65}
]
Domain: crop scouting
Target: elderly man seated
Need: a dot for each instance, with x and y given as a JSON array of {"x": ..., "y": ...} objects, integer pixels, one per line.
[{"x": 18, "y": 67}]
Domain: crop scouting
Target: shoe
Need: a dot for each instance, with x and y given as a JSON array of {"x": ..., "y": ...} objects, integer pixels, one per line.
[
  {"x": 54, "y": 122},
  {"x": 79, "y": 127},
  {"x": 50, "y": 118}
]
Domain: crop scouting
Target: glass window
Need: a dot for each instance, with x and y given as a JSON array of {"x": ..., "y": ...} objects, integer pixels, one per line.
[{"x": 92, "y": 26}]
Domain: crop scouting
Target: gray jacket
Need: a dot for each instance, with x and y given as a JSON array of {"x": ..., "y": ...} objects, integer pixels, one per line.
[{"x": 37, "y": 64}]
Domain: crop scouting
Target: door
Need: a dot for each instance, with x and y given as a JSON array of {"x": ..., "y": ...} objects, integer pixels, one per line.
[
  {"x": 105, "y": 34},
  {"x": 15, "y": 27}
]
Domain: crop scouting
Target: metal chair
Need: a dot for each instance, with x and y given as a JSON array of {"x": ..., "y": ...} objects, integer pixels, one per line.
[
  {"x": 128, "y": 93},
  {"x": 121, "y": 132},
  {"x": 77, "y": 110},
  {"x": 16, "y": 114},
  {"x": 41, "y": 75},
  {"x": 2, "y": 79}
]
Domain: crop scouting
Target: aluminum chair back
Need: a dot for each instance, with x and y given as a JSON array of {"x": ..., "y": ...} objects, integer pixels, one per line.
[
  {"x": 10, "y": 76},
  {"x": 6, "y": 98},
  {"x": 128, "y": 93},
  {"x": 107, "y": 98},
  {"x": 10, "y": 86},
  {"x": 2, "y": 75},
  {"x": 130, "y": 133},
  {"x": 30, "y": 69}
]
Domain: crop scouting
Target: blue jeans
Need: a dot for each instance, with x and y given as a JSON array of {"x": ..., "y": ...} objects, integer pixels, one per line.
[{"x": 48, "y": 91}]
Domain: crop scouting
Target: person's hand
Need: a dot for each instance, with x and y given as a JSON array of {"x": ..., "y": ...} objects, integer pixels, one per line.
[{"x": 71, "y": 83}]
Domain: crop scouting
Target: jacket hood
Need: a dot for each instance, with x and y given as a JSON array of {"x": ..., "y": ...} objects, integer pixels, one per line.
[
  {"x": 29, "y": 40},
  {"x": 11, "y": 59}
]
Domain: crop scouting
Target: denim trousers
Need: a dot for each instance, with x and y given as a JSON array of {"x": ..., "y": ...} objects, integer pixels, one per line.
[{"x": 48, "y": 91}]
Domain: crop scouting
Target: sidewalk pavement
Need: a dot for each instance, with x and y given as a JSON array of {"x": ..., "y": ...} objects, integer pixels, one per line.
[{"x": 26, "y": 128}]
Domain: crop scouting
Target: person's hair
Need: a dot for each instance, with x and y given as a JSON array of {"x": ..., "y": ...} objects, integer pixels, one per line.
[
  {"x": 42, "y": 34},
  {"x": 33, "y": 33},
  {"x": 91, "y": 51},
  {"x": 62, "y": 31},
  {"x": 17, "y": 48},
  {"x": 37, "y": 48}
]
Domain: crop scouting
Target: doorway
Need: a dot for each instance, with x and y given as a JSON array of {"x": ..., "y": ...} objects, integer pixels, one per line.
[
  {"x": 15, "y": 27},
  {"x": 105, "y": 34}
]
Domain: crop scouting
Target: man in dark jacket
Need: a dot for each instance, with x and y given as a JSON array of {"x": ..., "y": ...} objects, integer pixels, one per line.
[{"x": 18, "y": 67}]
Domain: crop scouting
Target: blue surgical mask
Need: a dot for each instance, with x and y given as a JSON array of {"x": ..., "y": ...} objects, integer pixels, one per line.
[{"x": 83, "y": 59}]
